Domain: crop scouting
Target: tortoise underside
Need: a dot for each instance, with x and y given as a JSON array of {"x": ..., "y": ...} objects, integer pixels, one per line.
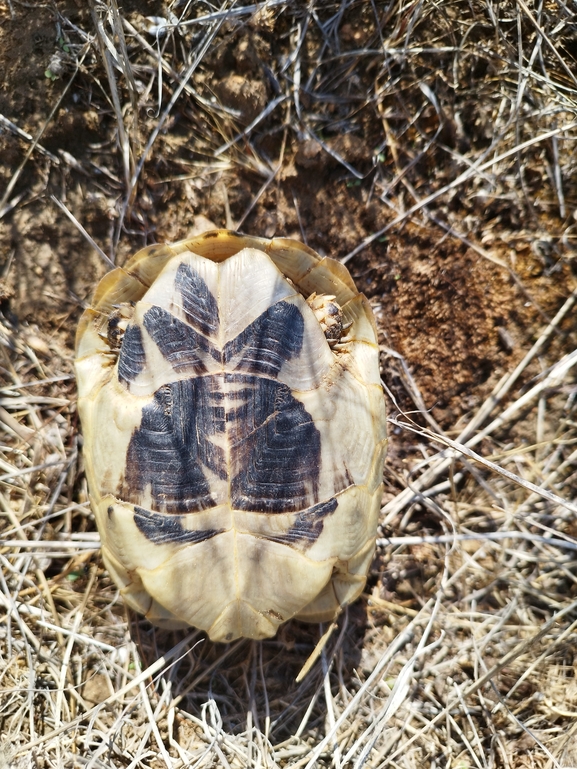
[{"x": 234, "y": 461}]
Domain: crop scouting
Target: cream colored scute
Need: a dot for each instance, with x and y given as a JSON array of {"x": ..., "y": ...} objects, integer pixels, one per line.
[
  {"x": 158, "y": 370},
  {"x": 250, "y": 283},
  {"x": 249, "y": 580},
  {"x": 344, "y": 414},
  {"x": 312, "y": 365},
  {"x": 163, "y": 293},
  {"x": 239, "y": 573},
  {"x": 243, "y": 287},
  {"x": 129, "y": 546},
  {"x": 114, "y": 414},
  {"x": 358, "y": 312}
]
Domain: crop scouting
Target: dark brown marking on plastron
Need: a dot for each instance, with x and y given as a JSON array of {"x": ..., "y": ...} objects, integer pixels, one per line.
[
  {"x": 275, "y": 447},
  {"x": 181, "y": 346},
  {"x": 210, "y": 234},
  {"x": 110, "y": 511},
  {"x": 308, "y": 525},
  {"x": 172, "y": 445},
  {"x": 131, "y": 359},
  {"x": 273, "y": 338},
  {"x": 198, "y": 303},
  {"x": 162, "y": 529},
  {"x": 343, "y": 479}
]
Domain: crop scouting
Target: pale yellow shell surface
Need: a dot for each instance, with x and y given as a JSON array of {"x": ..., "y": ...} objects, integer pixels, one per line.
[{"x": 234, "y": 458}]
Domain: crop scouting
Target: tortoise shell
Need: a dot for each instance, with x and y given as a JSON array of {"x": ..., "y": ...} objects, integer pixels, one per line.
[{"x": 234, "y": 432}]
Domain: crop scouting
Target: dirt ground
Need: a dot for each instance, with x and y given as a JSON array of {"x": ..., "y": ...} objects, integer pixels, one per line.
[{"x": 360, "y": 156}]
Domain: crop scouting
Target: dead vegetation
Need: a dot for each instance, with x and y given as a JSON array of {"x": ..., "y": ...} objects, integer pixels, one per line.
[{"x": 431, "y": 147}]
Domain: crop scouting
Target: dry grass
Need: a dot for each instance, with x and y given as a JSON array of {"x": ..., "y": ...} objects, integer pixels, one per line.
[{"x": 463, "y": 653}]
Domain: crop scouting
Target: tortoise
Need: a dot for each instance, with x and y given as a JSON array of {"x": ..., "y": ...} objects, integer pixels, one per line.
[{"x": 234, "y": 432}]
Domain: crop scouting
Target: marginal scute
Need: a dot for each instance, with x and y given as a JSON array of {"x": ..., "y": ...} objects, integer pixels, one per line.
[
  {"x": 234, "y": 458},
  {"x": 358, "y": 312},
  {"x": 330, "y": 277},
  {"x": 116, "y": 288},
  {"x": 146, "y": 265}
]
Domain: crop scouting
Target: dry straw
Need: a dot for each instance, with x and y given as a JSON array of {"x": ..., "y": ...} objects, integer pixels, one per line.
[{"x": 474, "y": 662}]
